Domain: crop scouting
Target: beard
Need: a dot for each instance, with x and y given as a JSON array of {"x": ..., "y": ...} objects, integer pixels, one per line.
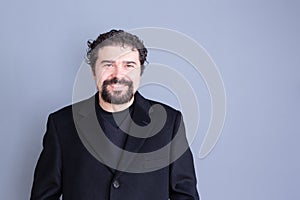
[{"x": 118, "y": 96}]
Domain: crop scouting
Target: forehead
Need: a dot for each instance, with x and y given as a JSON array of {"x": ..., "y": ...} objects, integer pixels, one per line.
[{"x": 117, "y": 53}]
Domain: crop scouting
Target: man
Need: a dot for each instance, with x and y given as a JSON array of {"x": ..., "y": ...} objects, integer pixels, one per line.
[{"x": 116, "y": 144}]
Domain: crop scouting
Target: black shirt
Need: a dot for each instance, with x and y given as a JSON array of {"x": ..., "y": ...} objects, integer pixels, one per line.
[{"x": 116, "y": 124}]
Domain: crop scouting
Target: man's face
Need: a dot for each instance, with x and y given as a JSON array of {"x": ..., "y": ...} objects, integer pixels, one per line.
[{"x": 117, "y": 73}]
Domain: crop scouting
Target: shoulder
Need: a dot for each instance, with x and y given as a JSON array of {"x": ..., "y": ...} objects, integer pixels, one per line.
[
  {"x": 150, "y": 103},
  {"x": 167, "y": 107},
  {"x": 66, "y": 113},
  {"x": 141, "y": 98}
]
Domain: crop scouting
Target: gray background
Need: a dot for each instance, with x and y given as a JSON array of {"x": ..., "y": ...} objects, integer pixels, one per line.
[{"x": 255, "y": 45}]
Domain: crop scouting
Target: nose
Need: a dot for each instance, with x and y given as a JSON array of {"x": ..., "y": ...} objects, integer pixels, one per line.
[{"x": 118, "y": 70}]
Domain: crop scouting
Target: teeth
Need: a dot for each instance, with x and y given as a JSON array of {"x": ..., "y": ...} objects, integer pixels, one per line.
[{"x": 117, "y": 86}]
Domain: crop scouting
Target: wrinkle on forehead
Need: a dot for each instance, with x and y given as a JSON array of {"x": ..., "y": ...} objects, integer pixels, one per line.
[{"x": 117, "y": 52}]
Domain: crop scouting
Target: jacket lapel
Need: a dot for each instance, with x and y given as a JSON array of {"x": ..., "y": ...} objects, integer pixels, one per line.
[
  {"x": 91, "y": 133},
  {"x": 140, "y": 120}
]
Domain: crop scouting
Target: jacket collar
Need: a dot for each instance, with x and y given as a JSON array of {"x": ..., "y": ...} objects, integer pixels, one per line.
[{"x": 142, "y": 108}]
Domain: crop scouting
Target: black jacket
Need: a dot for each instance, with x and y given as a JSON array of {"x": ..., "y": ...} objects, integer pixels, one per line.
[{"x": 75, "y": 160}]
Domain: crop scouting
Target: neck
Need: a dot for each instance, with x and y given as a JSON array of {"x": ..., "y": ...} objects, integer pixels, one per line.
[{"x": 114, "y": 107}]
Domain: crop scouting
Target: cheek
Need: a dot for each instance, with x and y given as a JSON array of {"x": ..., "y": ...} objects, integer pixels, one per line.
[
  {"x": 136, "y": 82},
  {"x": 135, "y": 76},
  {"x": 100, "y": 75},
  {"x": 99, "y": 81}
]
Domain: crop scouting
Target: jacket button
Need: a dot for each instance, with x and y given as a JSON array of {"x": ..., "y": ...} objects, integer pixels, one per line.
[{"x": 116, "y": 184}]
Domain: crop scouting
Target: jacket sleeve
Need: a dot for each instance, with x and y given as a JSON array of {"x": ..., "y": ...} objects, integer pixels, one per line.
[
  {"x": 183, "y": 182},
  {"x": 47, "y": 183}
]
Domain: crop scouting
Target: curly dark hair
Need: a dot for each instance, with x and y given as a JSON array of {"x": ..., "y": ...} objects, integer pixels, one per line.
[{"x": 115, "y": 37}]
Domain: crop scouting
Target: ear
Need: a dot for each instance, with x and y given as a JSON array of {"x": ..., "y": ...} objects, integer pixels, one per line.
[{"x": 93, "y": 73}]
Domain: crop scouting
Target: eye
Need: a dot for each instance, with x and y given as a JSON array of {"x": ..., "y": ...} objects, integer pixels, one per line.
[
  {"x": 129, "y": 66},
  {"x": 108, "y": 65}
]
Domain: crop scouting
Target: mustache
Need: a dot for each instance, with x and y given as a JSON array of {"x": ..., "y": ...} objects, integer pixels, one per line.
[{"x": 115, "y": 80}]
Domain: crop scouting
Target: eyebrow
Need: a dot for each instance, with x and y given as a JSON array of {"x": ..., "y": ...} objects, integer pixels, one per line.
[
  {"x": 107, "y": 61},
  {"x": 130, "y": 62},
  {"x": 112, "y": 61}
]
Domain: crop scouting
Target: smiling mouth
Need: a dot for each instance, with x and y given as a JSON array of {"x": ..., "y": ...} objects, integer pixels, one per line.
[{"x": 117, "y": 86}]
